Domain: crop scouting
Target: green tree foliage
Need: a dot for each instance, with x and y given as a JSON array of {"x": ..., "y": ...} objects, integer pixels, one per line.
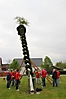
[
  {"x": 22, "y": 21},
  {"x": 47, "y": 64},
  {"x": 14, "y": 65},
  {"x": 61, "y": 65}
]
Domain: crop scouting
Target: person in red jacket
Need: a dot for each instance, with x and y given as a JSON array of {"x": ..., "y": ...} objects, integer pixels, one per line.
[
  {"x": 17, "y": 77},
  {"x": 37, "y": 76},
  {"x": 44, "y": 74},
  {"x": 13, "y": 77},
  {"x": 58, "y": 76}
]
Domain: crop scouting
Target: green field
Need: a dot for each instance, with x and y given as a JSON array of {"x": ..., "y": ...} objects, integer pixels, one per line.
[{"x": 47, "y": 92}]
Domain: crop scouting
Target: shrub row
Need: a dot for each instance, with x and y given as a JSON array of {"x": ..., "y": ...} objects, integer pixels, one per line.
[{"x": 61, "y": 72}]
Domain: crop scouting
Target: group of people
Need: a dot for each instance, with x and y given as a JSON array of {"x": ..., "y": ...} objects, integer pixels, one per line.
[
  {"x": 13, "y": 78},
  {"x": 44, "y": 75}
]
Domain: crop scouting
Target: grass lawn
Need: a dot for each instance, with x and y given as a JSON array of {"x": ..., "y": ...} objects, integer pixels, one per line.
[{"x": 47, "y": 92}]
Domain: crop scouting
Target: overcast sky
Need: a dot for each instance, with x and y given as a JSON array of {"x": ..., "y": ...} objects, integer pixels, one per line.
[{"x": 46, "y": 34}]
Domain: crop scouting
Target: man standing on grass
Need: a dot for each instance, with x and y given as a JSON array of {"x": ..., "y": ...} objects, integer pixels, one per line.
[
  {"x": 58, "y": 76},
  {"x": 13, "y": 77},
  {"x": 37, "y": 76},
  {"x": 17, "y": 77},
  {"x": 8, "y": 78},
  {"x": 44, "y": 74},
  {"x": 54, "y": 76}
]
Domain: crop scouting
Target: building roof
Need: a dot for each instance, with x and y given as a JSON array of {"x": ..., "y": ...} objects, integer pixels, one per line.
[{"x": 36, "y": 61}]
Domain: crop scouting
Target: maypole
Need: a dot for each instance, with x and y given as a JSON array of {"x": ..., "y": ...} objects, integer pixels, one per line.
[{"x": 21, "y": 32}]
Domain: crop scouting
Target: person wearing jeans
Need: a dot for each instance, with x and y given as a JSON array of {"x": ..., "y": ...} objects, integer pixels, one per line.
[
  {"x": 8, "y": 78},
  {"x": 13, "y": 77},
  {"x": 54, "y": 76},
  {"x": 58, "y": 76},
  {"x": 37, "y": 76},
  {"x": 44, "y": 74},
  {"x": 17, "y": 77}
]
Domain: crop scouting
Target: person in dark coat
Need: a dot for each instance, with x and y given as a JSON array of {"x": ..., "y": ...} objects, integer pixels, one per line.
[
  {"x": 54, "y": 77},
  {"x": 8, "y": 78}
]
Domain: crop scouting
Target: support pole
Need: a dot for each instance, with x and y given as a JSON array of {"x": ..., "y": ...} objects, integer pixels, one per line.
[
  {"x": 29, "y": 81},
  {"x": 34, "y": 77}
]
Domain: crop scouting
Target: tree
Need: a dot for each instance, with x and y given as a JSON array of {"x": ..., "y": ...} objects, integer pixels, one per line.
[
  {"x": 14, "y": 65},
  {"x": 61, "y": 65},
  {"x": 47, "y": 64}
]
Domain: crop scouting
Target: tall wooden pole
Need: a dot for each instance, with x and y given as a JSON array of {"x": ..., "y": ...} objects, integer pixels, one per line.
[{"x": 21, "y": 31}]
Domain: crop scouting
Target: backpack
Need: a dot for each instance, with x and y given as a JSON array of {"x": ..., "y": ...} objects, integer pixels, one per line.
[
  {"x": 8, "y": 76},
  {"x": 38, "y": 89}
]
